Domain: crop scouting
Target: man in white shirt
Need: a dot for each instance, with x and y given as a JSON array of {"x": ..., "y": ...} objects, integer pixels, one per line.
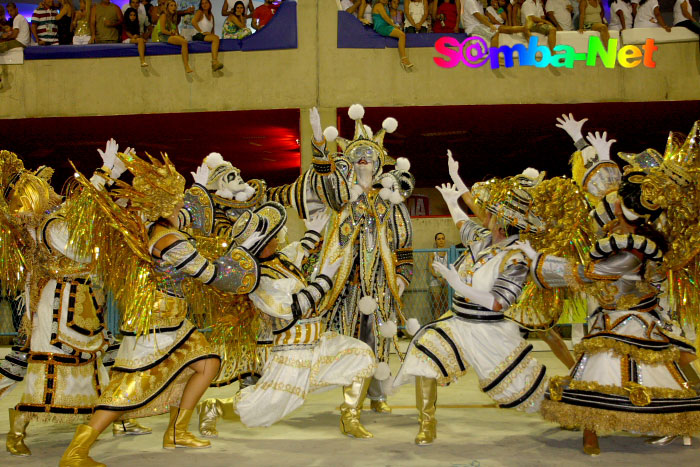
[
  {"x": 476, "y": 23},
  {"x": 559, "y": 13},
  {"x": 532, "y": 16},
  {"x": 19, "y": 36}
]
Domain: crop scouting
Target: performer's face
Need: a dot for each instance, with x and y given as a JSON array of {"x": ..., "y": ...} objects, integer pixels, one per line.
[{"x": 232, "y": 182}]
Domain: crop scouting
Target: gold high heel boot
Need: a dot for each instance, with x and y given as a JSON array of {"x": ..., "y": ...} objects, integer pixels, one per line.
[
  {"x": 18, "y": 431},
  {"x": 177, "y": 436},
  {"x": 77, "y": 453},
  {"x": 209, "y": 412},
  {"x": 129, "y": 427},
  {"x": 351, "y": 408},
  {"x": 426, "y": 397},
  {"x": 379, "y": 406}
]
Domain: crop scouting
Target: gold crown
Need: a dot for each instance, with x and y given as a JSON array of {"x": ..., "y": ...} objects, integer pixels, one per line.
[
  {"x": 365, "y": 142},
  {"x": 11, "y": 167},
  {"x": 157, "y": 188}
]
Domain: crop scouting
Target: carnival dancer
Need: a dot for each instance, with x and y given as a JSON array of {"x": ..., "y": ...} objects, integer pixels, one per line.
[
  {"x": 487, "y": 279},
  {"x": 628, "y": 373},
  {"x": 164, "y": 363},
  {"x": 68, "y": 345},
  {"x": 304, "y": 358},
  {"x": 370, "y": 228}
]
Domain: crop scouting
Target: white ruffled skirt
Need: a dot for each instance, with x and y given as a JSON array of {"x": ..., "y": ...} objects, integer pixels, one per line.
[
  {"x": 294, "y": 371},
  {"x": 445, "y": 349}
]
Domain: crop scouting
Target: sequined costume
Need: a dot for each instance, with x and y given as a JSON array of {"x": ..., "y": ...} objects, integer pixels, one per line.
[
  {"x": 370, "y": 228},
  {"x": 304, "y": 357},
  {"x": 628, "y": 374}
]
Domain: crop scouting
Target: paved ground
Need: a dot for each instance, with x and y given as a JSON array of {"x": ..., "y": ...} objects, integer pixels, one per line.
[{"x": 470, "y": 433}]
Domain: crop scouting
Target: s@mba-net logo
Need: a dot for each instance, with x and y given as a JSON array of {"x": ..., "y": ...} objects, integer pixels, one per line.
[{"x": 474, "y": 52}]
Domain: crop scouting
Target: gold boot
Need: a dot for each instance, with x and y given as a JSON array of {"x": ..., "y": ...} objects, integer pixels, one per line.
[
  {"x": 129, "y": 427},
  {"x": 351, "y": 409},
  {"x": 177, "y": 436},
  {"x": 380, "y": 406},
  {"x": 77, "y": 453},
  {"x": 18, "y": 431},
  {"x": 210, "y": 410},
  {"x": 426, "y": 396}
]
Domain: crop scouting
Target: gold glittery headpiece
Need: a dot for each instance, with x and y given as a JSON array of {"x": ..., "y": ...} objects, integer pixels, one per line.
[
  {"x": 366, "y": 144},
  {"x": 24, "y": 191},
  {"x": 157, "y": 187}
]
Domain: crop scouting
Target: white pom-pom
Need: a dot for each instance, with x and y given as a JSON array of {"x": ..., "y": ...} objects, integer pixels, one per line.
[
  {"x": 224, "y": 193},
  {"x": 213, "y": 160},
  {"x": 367, "y": 305},
  {"x": 387, "y": 182},
  {"x": 355, "y": 192},
  {"x": 330, "y": 133},
  {"x": 385, "y": 193},
  {"x": 387, "y": 329},
  {"x": 242, "y": 196},
  {"x": 390, "y": 124},
  {"x": 403, "y": 164},
  {"x": 356, "y": 111},
  {"x": 368, "y": 131},
  {"x": 382, "y": 372},
  {"x": 395, "y": 197},
  {"x": 531, "y": 173},
  {"x": 412, "y": 326}
]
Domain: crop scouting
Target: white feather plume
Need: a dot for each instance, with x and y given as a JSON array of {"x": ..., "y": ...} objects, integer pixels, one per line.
[
  {"x": 356, "y": 111},
  {"x": 213, "y": 160},
  {"x": 368, "y": 131},
  {"x": 390, "y": 124}
]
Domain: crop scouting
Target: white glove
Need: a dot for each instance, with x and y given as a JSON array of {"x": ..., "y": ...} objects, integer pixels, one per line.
[
  {"x": 109, "y": 154},
  {"x": 329, "y": 269},
  {"x": 571, "y": 126},
  {"x": 254, "y": 238},
  {"x": 601, "y": 144},
  {"x": 317, "y": 222},
  {"x": 201, "y": 176},
  {"x": 453, "y": 167},
  {"x": 451, "y": 196},
  {"x": 451, "y": 275},
  {"x": 526, "y": 248},
  {"x": 315, "y": 120},
  {"x": 119, "y": 167}
]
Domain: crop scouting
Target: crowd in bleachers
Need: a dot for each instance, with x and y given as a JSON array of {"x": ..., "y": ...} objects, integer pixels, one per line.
[
  {"x": 59, "y": 22},
  {"x": 490, "y": 19}
]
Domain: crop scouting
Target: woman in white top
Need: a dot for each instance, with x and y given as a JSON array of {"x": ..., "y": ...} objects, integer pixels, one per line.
[
  {"x": 351, "y": 6},
  {"x": 649, "y": 16},
  {"x": 416, "y": 13},
  {"x": 620, "y": 15},
  {"x": 203, "y": 22},
  {"x": 494, "y": 16},
  {"x": 364, "y": 12},
  {"x": 228, "y": 6},
  {"x": 683, "y": 16},
  {"x": 438, "y": 285}
]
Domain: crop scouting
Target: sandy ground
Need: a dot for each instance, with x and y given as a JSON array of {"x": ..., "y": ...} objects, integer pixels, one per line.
[{"x": 470, "y": 433}]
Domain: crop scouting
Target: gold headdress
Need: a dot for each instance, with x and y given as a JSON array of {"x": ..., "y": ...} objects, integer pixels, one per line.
[
  {"x": 365, "y": 144},
  {"x": 157, "y": 187}
]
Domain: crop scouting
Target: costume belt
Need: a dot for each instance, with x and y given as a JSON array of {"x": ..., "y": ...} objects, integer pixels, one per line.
[{"x": 305, "y": 331}]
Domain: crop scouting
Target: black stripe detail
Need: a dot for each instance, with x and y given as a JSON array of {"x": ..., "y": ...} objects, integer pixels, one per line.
[
  {"x": 622, "y": 404},
  {"x": 510, "y": 368},
  {"x": 490, "y": 317},
  {"x": 9, "y": 375},
  {"x": 161, "y": 359},
  {"x": 447, "y": 339},
  {"x": 171, "y": 246},
  {"x": 650, "y": 345},
  {"x": 327, "y": 279},
  {"x": 213, "y": 276},
  {"x": 187, "y": 260},
  {"x": 318, "y": 287},
  {"x": 201, "y": 270},
  {"x": 529, "y": 393},
  {"x": 154, "y": 330},
  {"x": 434, "y": 358}
]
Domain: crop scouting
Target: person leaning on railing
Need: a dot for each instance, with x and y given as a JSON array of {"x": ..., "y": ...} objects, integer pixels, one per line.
[
  {"x": 683, "y": 16},
  {"x": 203, "y": 23},
  {"x": 384, "y": 25},
  {"x": 18, "y": 35},
  {"x": 649, "y": 16}
]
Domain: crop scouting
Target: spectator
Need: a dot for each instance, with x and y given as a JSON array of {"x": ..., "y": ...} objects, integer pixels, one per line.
[
  {"x": 559, "y": 14},
  {"x": 148, "y": 26},
  {"x": 513, "y": 11},
  {"x": 132, "y": 33},
  {"x": 140, "y": 12},
  {"x": 395, "y": 13},
  {"x": 683, "y": 16},
  {"x": 167, "y": 32},
  {"x": 438, "y": 285},
  {"x": 416, "y": 16},
  {"x": 620, "y": 15},
  {"x": 44, "y": 27},
  {"x": 154, "y": 17},
  {"x": 81, "y": 26},
  {"x": 592, "y": 17},
  {"x": 351, "y": 6},
  {"x": 18, "y": 35},
  {"x": 384, "y": 25},
  {"x": 64, "y": 21},
  {"x": 105, "y": 22},
  {"x": 364, "y": 14},
  {"x": 203, "y": 23},
  {"x": 3, "y": 20},
  {"x": 476, "y": 23},
  {"x": 649, "y": 16},
  {"x": 532, "y": 17},
  {"x": 227, "y": 9},
  {"x": 445, "y": 15},
  {"x": 263, "y": 14},
  {"x": 234, "y": 27},
  {"x": 496, "y": 14}
]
